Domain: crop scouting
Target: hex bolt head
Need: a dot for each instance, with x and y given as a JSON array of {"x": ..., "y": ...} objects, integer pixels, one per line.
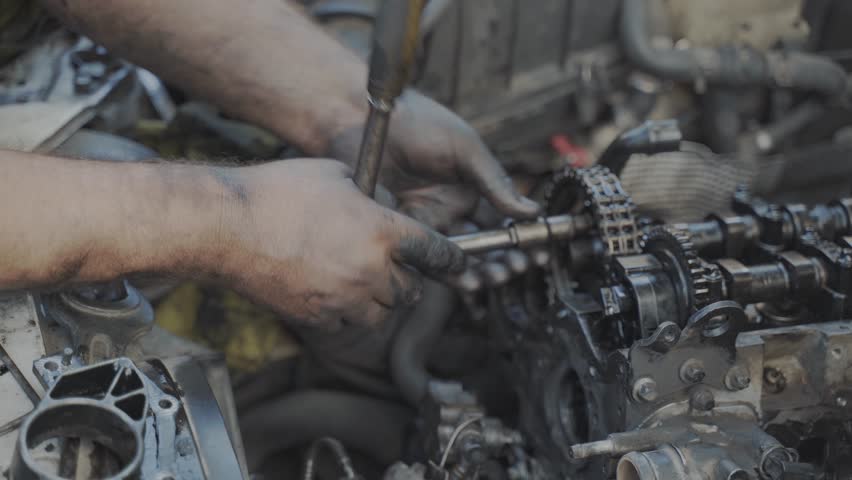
[
  {"x": 692, "y": 371},
  {"x": 702, "y": 399},
  {"x": 67, "y": 353},
  {"x": 737, "y": 378},
  {"x": 645, "y": 389}
]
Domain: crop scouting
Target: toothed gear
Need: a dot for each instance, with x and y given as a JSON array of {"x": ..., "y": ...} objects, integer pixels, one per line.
[
  {"x": 676, "y": 244},
  {"x": 598, "y": 192}
]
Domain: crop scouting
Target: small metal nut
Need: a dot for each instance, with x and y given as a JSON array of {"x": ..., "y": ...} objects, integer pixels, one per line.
[
  {"x": 692, "y": 371},
  {"x": 645, "y": 389},
  {"x": 702, "y": 399},
  {"x": 737, "y": 378}
]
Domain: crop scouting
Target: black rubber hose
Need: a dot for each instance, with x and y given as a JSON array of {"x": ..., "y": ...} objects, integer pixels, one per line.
[
  {"x": 728, "y": 66},
  {"x": 416, "y": 335},
  {"x": 359, "y": 379},
  {"x": 375, "y": 428},
  {"x": 653, "y": 136}
]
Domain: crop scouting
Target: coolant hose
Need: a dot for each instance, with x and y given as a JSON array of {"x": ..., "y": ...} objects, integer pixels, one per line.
[
  {"x": 414, "y": 338},
  {"x": 727, "y": 66},
  {"x": 373, "y": 427}
]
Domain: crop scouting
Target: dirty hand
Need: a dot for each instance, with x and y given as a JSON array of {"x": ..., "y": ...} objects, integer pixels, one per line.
[
  {"x": 436, "y": 164},
  {"x": 307, "y": 242}
]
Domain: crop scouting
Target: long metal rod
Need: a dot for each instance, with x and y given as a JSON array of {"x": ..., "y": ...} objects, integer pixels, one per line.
[
  {"x": 372, "y": 147},
  {"x": 526, "y": 234},
  {"x": 395, "y": 39}
]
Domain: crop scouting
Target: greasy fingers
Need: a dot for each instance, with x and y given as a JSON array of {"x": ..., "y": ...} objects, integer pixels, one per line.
[
  {"x": 309, "y": 244},
  {"x": 421, "y": 247}
]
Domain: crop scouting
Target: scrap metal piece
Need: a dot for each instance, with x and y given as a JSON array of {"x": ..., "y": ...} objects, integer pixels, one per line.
[{"x": 104, "y": 403}]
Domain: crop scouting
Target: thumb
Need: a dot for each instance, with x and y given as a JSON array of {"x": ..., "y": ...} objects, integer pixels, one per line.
[{"x": 426, "y": 250}]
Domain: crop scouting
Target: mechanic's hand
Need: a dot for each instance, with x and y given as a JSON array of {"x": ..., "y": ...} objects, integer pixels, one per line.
[
  {"x": 436, "y": 164},
  {"x": 308, "y": 243}
]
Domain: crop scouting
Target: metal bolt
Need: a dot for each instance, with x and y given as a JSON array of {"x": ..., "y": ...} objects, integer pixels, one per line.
[
  {"x": 702, "y": 399},
  {"x": 714, "y": 275},
  {"x": 670, "y": 335},
  {"x": 472, "y": 450},
  {"x": 645, "y": 389},
  {"x": 67, "y": 353},
  {"x": 841, "y": 402},
  {"x": 775, "y": 381},
  {"x": 844, "y": 260},
  {"x": 737, "y": 378},
  {"x": 692, "y": 371},
  {"x": 610, "y": 301}
]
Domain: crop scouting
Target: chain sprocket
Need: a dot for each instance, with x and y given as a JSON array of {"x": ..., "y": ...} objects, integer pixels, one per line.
[
  {"x": 597, "y": 192},
  {"x": 676, "y": 244}
]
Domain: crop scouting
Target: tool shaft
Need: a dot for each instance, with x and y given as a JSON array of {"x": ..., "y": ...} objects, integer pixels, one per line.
[
  {"x": 372, "y": 147},
  {"x": 395, "y": 40},
  {"x": 526, "y": 234}
]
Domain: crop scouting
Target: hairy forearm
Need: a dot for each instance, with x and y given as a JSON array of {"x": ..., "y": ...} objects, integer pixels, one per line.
[
  {"x": 73, "y": 221},
  {"x": 260, "y": 60}
]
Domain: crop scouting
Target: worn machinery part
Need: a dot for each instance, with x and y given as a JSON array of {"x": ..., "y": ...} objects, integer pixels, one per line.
[
  {"x": 747, "y": 449},
  {"x": 103, "y": 318},
  {"x": 373, "y": 427},
  {"x": 542, "y": 231},
  {"x": 673, "y": 247},
  {"x": 395, "y": 39},
  {"x": 597, "y": 192},
  {"x": 415, "y": 336},
  {"x": 105, "y": 403},
  {"x": 730, "y": 66},
  {"x": 791, "y": 275}
]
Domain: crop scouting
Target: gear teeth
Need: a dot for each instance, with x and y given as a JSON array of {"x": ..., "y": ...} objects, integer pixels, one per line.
[{"x": 678, "y": 241}]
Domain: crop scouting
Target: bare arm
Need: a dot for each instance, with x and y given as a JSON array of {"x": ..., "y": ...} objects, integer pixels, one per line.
[
  {"x": 71, "y": 221},
  {"x": 260, "y": 60},
  {"x": 264, "y": 61},
  {"x": 295, "y": 235}
]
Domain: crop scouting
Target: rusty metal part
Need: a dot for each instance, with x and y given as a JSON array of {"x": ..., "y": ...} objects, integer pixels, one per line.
[
  {"x": 372, "y": 146},
  {"x": 102, "y": 319},
  {"x": 395, "y": 40}
]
